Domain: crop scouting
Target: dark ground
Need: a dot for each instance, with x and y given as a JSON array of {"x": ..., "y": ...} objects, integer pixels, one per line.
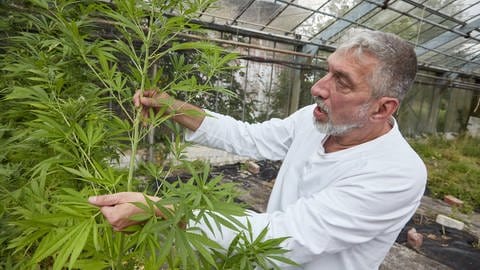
[{"x": 451, "y": 247}]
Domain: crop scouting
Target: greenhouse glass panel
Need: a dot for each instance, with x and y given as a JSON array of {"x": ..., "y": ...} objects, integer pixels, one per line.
[
  {"x": 445, "y": 6},
  {"x": 379, "y": 19},
  {"x": 425, "y": 57},
  {"x": 339, "y": 8},
  {"x": 337, "y": 37},
  {"x": 259, "y": 13},
  {"x": 289, "y": 18},
  {"x": 367, "y": 17},
  {"x": 313, "y": 24},
  {"x": 470, "y": 10},
  {"x": 227, "y": 9},
  {"x": 429, "y": 32},
  {"x": 313, "y": 4},
  {"x": 401, "y": 6}
]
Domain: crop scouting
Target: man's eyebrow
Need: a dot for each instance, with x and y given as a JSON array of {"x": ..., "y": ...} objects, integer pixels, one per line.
[
  {"x": 343, "y": 75},
  {"x": 339, "y": 73}
]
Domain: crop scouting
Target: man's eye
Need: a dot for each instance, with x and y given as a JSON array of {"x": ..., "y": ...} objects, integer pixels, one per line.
[{"x": 340, "y": 81}]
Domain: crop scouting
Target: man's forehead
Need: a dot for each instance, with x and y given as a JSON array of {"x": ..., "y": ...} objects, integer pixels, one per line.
[
  {"x": 332, "y": 60},
  {"x": 352, "y": 57}
]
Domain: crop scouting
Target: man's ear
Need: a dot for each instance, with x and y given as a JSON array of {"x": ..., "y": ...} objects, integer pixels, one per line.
[{"x": 385, "y": 108}]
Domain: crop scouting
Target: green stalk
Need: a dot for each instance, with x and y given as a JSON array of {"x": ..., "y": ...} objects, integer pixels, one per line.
[
  {"x": 134, "y": 146},
  {"x": 136, "y": 123}
]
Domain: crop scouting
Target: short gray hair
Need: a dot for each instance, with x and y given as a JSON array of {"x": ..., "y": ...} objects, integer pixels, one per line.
[{"x": 397, "y": 67}]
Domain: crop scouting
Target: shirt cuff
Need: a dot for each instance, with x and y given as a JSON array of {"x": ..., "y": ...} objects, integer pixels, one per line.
[{"x": 207, "y": 124}]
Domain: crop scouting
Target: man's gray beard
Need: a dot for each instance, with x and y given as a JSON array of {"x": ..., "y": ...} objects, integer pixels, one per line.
[{"x": 330, "y": 129}]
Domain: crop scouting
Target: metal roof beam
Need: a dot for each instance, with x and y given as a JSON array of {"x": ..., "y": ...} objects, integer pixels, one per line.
[
  {"x": 237, "y": 30},
  {"x": 446, "y": 37}
]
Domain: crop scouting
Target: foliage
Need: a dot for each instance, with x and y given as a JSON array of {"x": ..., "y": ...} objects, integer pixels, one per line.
[
  {"x": 66, "y": 66},
  {"x": 244, "y": 250},
  {"x": 453, "y": 168}
]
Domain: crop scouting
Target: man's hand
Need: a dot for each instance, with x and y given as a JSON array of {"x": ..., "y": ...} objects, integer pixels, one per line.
[
  {"x": 118, "y": 208},
  {"x": 150, "y": 99},
  {"x": 186, "y": 114}
]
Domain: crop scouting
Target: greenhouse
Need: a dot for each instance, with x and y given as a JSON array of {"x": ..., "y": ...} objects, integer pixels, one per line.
[{"x": 240, "y": 134}]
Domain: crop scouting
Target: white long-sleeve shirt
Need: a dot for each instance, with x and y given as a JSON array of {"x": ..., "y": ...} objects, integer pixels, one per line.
[{"x": 341, "y": 210}]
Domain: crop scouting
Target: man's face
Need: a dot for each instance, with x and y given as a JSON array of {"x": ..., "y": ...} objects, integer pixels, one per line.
[{"x": 343, "y": 94}]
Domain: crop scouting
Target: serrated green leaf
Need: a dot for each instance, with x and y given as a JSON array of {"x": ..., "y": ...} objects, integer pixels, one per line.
[
  {"x": 261, "y": 235},
  {"x": 82, "y": 172},
  {"x": 204, "y": 240},
  {"x": 283, "y": 260},
  {"x": 52, "y": 243},
  {"x": 91, "y": 264},
  {"x": 140, "y": 217},
  {"x": 79, "y": 242},
  {"x": 199, "y": 246}
]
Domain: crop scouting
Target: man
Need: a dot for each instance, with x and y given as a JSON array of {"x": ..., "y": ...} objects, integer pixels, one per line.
[{"x": 349, "y": 181}]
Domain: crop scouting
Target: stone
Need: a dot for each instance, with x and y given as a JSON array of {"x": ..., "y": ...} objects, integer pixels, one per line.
[
  {"x": 449, "y": 222},
  {"x": 414, "y": 239},
  {"x": 252, "y": 167},
  {"x": 453, "y": 201}
]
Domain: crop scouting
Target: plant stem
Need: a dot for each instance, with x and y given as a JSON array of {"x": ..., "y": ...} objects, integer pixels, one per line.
[
  {"x": 134, "y": 147},
  {"x": 135, "y": 139}
]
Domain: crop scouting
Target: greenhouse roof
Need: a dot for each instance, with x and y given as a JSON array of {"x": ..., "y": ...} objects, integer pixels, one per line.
[{"x": 445, "y": 33}]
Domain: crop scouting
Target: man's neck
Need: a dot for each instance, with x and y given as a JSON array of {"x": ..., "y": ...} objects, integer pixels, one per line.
[{"x": 355, "y": 137}]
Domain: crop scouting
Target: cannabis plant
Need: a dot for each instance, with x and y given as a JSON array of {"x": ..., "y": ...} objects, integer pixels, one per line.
[{"x": 69, "y": 71}]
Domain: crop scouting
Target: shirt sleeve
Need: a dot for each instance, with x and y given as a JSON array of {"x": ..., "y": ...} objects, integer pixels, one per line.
[
  {"x": 267, "y": 140},
  {"x": 351, "y": 212}
]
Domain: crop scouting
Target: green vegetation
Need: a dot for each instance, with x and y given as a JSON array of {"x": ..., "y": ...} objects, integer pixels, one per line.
[
  {"x": 69, "y": 70},
  {"x": 453, "y": 168}
]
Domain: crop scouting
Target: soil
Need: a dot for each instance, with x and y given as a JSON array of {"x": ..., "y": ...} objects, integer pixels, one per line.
[{"x": 451, "y": 247}]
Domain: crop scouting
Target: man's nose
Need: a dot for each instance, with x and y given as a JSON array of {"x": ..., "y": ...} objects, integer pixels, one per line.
[{"x": 321, "y": 87}]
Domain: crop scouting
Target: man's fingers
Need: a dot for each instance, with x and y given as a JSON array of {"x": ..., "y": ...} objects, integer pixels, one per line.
[
  {"x": 148, "y": 101},
  {"x": 150, "y": 93},
  {"x": 117, "y": 198},
  {"x": 140, "y": 97},
  {"x": 104, "y": 200},
  {"x": 109, "y": 212},
  {"x": 136, "y": 98}
]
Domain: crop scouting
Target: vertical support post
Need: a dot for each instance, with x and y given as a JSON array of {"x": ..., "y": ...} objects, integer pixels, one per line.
[
  {"x": 296, "y": 88},
  {"x": 244, "y": 100},
  {"x": 297, "y": 77},
  {"x": 431, "y": 124},
  {"x": 452, "y": 115},
  {"x": 268, "y": 111},
  {"x": 439, "y": 88}
]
